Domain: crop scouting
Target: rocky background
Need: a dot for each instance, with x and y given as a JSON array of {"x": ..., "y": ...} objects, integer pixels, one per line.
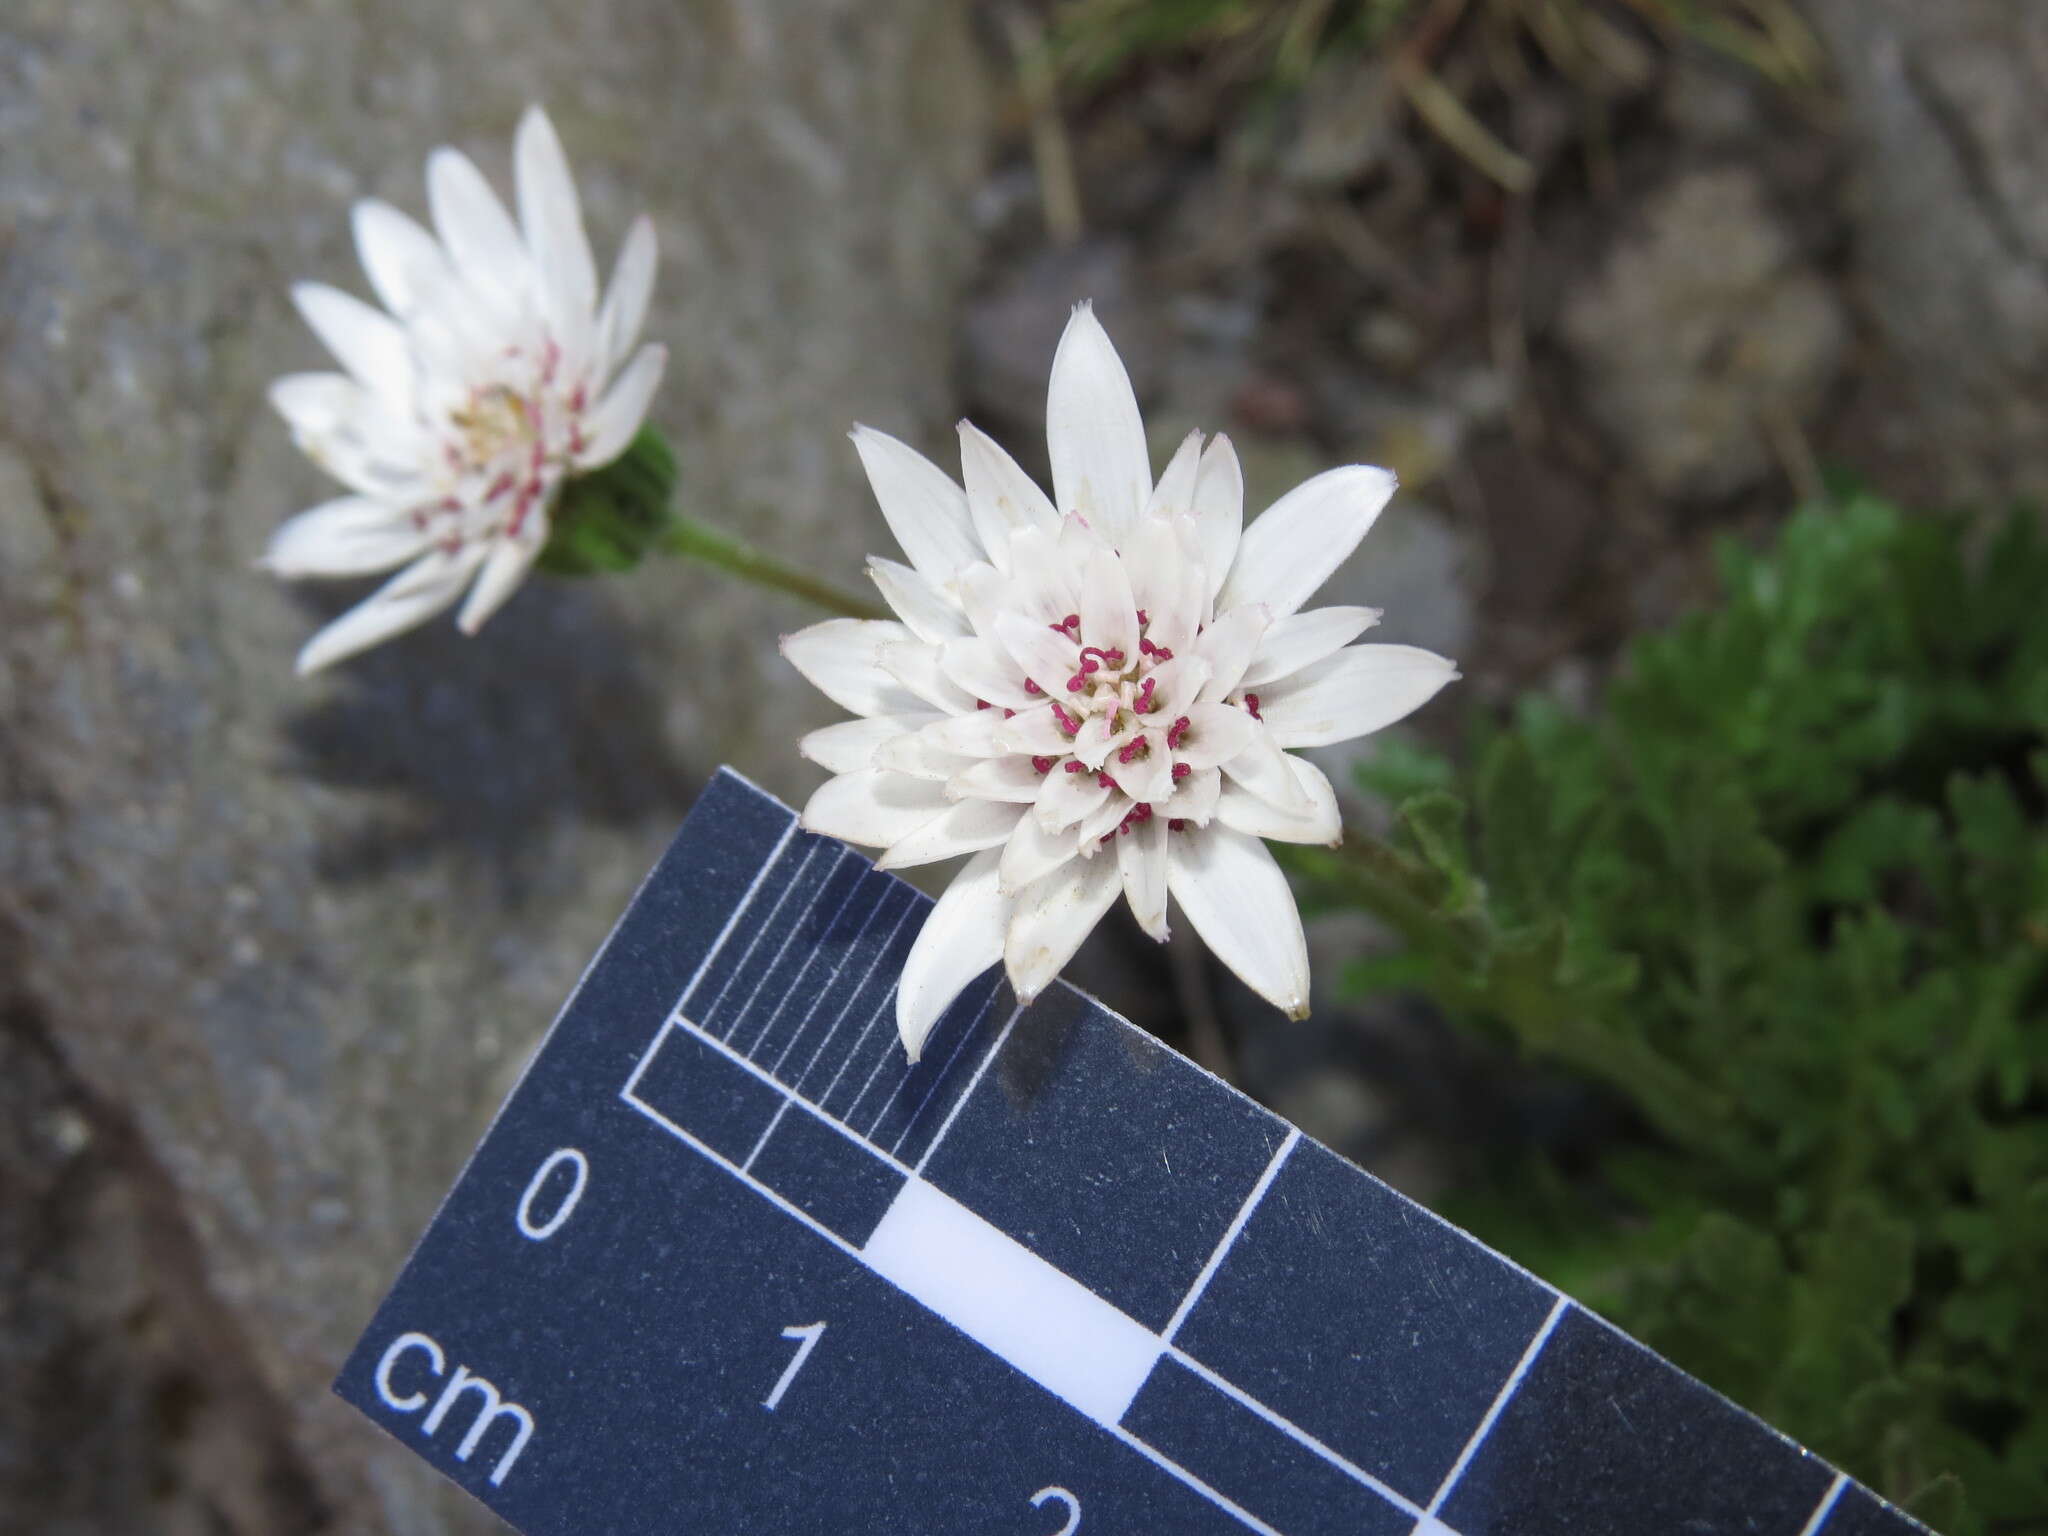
[{"x": 270, "y": 952}]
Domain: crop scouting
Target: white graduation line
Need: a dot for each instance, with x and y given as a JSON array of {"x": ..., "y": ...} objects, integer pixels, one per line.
[
  {"x": 1827, "y": 1505},
  {"x": 839, "y": 858},
  {"x": 1181, "y": 1474},
  {"x": 1500, "y": 1401},
  {"x": 819, "y": 993},
  {"x": 939, "y": 1080},
  {"x": 887, "y": 1009},
  {"x": 846, "y": 1009},
  {"x": 1296, "y": 1433},
  {"x": 711, "y": 954},
  {"x": 773, "y": 1121},
  {"x": 1230, "y": 1235},
  {"x": 754, "y": 943},
  {"x": 972, "y": 1083}
]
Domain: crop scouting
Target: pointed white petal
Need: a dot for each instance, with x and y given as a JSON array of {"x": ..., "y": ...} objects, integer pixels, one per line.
[
  {"x": 1141, "y": 860},
  {"x": 626, "y": 299},
  {"x": 551, "y": 218},
  {"x": 1302, "y": 638},
  {"x": 1178, "y": 683},
  {"x": 403, "y": 262},
  {"x": 842, "y": 659},
  {"x": 968, "y": 827},
  {"x": 1353, "y": 693},
  {"x": 962, "y": 937},
  {"x": 1032, "y": 853},
  {"x": 609, "y": 428},
  {"x": 1045, "y": 655},
  {"x": 423, "y": 589},
  {"x": 1153, "y": 562},
  {"x": 1051, "y": 917},
  {"x": 1216, "y": 734},
  {"x": 1147, "y": 776},
  {"x": 1109, "y": 616},
  {"x": 976, "y": 733},
  {"x": 1009, "y": 779},
  {"x": 917, "y": 601},
  {"x": 851, "y": 745},
  {"x": 365, "y": 341},
  {"x": 913, "y": 754},
  {"x": 1035, "y": 731},
  {"x": 1099, "y": 825},
  {"x": 1174, "y": 495},
  {"x": 1001, "y": 498},
  {"x": 1100, "y": 467},
  {"x": 1262, "y": 769},
  {"x": 1228, "y": 646},
  {"x": 1292, "y": 548},
  {"x": 924, "y": 509},
  {"x": 1044, "y": 580},
  {"x": 503, "y": 570},
  {"x": 873, "y": 807},
  {"x": 1067, "y": 797},
  {"x": 1320, "y": 823},
  {"x": 917, "y": 667},
  {"x": 350, "y": 536},
  {"x": 478, "y": 234},
  {"x": 1238, "y": 901},
  {"x": 984, "y": 669},
  {"x": 1195, "y": 797},
  {"x": 1219, "y": 509}
]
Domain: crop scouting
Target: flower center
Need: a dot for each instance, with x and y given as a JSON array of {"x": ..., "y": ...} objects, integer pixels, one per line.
[{"x": 507, "y": 444}]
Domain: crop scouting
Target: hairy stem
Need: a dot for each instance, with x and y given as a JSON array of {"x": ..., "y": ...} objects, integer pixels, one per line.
[{"x": 693, "y": 540}]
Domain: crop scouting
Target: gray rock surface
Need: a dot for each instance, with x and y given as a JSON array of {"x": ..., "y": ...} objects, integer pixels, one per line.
[
  {"x": 1951, "y": 129},
  {"x": 271, "y": 951}
]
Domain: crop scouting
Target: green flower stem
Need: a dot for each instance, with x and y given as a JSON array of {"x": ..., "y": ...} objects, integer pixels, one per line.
[{"x": 693, "y": 540}]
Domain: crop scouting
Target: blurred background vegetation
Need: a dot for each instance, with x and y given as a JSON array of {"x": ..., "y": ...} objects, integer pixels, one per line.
[{"x": 1710, "y": 340}]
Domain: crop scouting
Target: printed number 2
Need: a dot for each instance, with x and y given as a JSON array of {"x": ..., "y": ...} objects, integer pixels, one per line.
[
  {"x": 807, "y": 1340},
  {"x": 1046, "y": 1496}
]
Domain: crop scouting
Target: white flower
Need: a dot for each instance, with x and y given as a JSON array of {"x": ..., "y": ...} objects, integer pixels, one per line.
[
  {"x": 461, "y": 410},
  {"x": 1096, "y": 693}
]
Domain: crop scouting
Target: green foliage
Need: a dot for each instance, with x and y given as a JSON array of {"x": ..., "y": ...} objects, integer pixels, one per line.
[
  {"x": 610, "y": 519},
  {"x": 1787, "y": 894}
]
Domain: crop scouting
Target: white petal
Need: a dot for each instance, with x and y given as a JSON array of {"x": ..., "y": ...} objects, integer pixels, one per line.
[
  {"x": 1219, "y": 509},
  {"x": 924, "y": 509},
  {"x": 478, "y": 234},
  {"x": 1228, "y": 646},
  {"x": 873, "y": 807},
  {"x": 1033, "y": 730},
  {"x": 403, "y": 262},
  {"x": 1320, "y": 823},
  {"x": 1153, "y": 562},
  {"x": 1047, "y": 656},
  {"x": 984, "y": 669},
  {"x": 1301, "y": 638},
  {"x": 1032, "y": 853},
  {"x": 1352, "y": 693},
  {"x": 626, "y": 299},
  {"x": 851, "y": 745},
  {"x": 1001, "y": 498},
  {"x": 1216, "y": 734},
  {"x": 551, "y": 218},
  {"x": 1141, "y": 860},
  {"x": 1100, "y": 466},
  {"x": 916, "y": 666},
  {"x": 503, "y": 570},
  {"x": 350, "y": 536},
  {"x": 1174, "y": 495},
  {"x": 1238, "y": 901},
  {"x": 976, "y": 733},
  {"x": 1044, "y": 582},
  {"x": 1148, "y": 776},
  {"x": 913, "y": 754},
  {"x": 1067, "y": 797},
  {"x": 918, "y": 602},
  {"x": 1051, "y": 917},
  {"x": 423, "y": 589},
  {"x": 1109, "y": 616},
  {"x": 969, "y": 827},
  {"x": 609, "y": 428},
  {"x": 1195, "y": 797},
  {"x": 962, "y": 937},
  {"x": 842, "y": 659},
  {"x": 1262, "y": 769},
  {"x": 1292, "y": 548},
  {"x": 1178, "y": 683},
  {"x": 1009, "y": 779},
  {"x": 365, "y": 341},
  {"x": 1099, "y": 826}
]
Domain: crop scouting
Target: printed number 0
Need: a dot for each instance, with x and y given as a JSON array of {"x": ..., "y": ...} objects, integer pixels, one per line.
[
  {"x": 808, "y": 1336},
  {"x": 1046, "y": 1496},
  {"x": 540, "y": 1232}
]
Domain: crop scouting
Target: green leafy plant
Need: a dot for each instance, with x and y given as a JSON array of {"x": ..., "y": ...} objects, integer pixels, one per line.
[{"x": 1786, "y": 895}]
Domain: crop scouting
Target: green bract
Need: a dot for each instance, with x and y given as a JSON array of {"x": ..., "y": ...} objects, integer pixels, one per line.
[
  {"x": 609, "y": 519},
  {"x": 1786, "y": 894}
]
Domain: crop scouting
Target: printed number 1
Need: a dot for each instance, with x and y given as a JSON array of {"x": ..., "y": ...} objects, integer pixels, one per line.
[{"x": 807, "y": 1338}]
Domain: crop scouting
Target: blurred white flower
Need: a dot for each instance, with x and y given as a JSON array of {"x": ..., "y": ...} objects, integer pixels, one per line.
[
  {"x": 461, "y": 409},
  {"x": 1096, "y": 693}
]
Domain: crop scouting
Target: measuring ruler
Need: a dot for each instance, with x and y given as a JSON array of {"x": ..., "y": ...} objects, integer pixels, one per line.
[{"x": 726, "y": 1263}]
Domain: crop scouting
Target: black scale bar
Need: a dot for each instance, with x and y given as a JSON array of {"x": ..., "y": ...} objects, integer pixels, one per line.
[{"x": 727, "y": 1263}]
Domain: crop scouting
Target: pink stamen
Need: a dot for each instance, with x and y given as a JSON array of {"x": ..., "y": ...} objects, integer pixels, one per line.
[
  {"x": 1071, "y": 724},
  {"x": 1106, "y": 781},
  {"x": 1176, "y": 824},
  {"x": 1161, "y": 653},
  {"x": 1138, "y": 748},
  {"x": 1175, "y": 732},
  {"x": 1143, "y": 705},
  {"x": 1143, "y": 620},
  {"x": 499, "y": 486},
  {"x": 1032, "y": 688},
  {"x": 1251, "y": 702},
  {"x": 1071, "y": 621},
  {"x": 1181, "y": 771},
  {"x": 983, "y": 704},
  {"x": 1042, "y": 764},
  {"x": 1009, "y": 714},
  {"x": 1076, "y": 683},
  {"x": 1074, "y": 767}
]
